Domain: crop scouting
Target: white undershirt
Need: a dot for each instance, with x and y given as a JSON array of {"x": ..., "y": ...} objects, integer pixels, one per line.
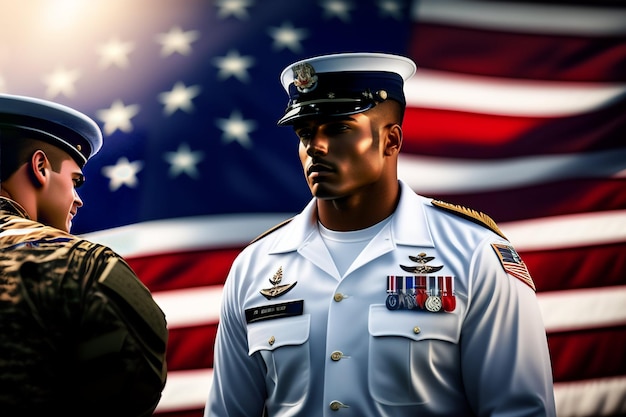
[{"x": 345, "y": 247}]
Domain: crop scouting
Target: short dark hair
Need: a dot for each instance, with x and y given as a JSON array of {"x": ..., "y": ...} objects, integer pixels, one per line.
[{"x": 16, "y": 148}]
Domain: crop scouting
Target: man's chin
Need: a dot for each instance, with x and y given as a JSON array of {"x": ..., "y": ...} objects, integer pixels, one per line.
[{"x": 324, "y": 193}]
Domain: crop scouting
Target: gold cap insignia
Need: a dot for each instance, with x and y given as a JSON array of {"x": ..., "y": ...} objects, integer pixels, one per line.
[{"x": 304, "y": 77}]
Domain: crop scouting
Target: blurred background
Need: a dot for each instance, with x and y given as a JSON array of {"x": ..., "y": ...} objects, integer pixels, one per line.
[{"x": 518, "y": 109}]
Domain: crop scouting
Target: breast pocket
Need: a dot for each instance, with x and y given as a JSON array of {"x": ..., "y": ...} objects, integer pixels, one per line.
[
  {"x": 284, "y": 346},
  {"x": 409, "y": 352}
]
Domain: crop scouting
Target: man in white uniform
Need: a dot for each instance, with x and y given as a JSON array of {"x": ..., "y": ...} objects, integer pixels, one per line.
[{"x": 375, "y": 301}]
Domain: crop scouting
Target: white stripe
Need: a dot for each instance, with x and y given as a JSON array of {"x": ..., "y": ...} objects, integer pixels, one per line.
[
  {"x": 189, "y": 390},
  {"x": 500, "y": 96},
  {"x": 562, "y": 310},
  {"x": 191, "y": 233},
  {"x": 583, "y": 309},
  {"x": 594, "y": 397},
  {"x": 524, "y": 17},
  {"x": 191, "y": 306},
  {"x": 574, "y": 230},
  {"x": 186, "y": 390},
  {"x": 428, "y": 175},
  {"x": 173, "y": 236}
]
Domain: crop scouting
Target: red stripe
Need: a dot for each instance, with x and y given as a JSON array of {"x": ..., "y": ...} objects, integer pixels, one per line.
[
  {"x": 577, "y": 268},
  {"x": 191, "y": 348},
  {"x": 585, "y": 355},
  {"x": 519, "y": 55},
  {"x": 456, "y": 134},
  {"x": 545, "y": 200},
  {"x": 435, "y": 132},
  {"x": 184, "y": 269}
]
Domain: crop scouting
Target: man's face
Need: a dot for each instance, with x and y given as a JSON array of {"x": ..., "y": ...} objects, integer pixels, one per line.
[
  {"x": 340, "y": 157},
  {"x": 60, "y": 200}
]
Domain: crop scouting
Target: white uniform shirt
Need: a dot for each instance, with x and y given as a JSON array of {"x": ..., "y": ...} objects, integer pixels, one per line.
[{"x": 330, "y": 346}]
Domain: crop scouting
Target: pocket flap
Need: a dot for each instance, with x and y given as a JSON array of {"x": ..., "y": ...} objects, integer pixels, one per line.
[
  {"x": 412, "y": 324},
  {"x": 272, "y": 334}
]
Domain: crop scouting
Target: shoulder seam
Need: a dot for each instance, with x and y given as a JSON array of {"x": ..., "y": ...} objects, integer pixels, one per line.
[{"x": 271, "y": 230}]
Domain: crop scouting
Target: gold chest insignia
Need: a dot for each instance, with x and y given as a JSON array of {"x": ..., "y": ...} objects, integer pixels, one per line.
[{"x": 277, "y": 290}]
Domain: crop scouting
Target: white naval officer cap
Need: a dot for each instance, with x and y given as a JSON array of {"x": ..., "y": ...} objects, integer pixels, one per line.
[
  {"x": 343, "y": 84},
  {"x": 54, "y": 123}
]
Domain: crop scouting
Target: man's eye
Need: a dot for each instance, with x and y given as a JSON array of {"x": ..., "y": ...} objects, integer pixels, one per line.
[
  {"x": 304, "y": 134},
  {"x": 78, "y": 181},
  {"x": 337, "y": 128}
]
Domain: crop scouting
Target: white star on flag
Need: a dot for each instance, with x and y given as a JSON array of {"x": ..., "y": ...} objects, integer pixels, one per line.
[{"x": 123, "y": 172}]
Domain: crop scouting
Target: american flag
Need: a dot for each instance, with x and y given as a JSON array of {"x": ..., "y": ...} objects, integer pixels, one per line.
[{"x": 518, "y": 109}]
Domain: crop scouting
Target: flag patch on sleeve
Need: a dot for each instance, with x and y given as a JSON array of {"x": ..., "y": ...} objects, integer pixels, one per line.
[{"x": 513, "y": 264}]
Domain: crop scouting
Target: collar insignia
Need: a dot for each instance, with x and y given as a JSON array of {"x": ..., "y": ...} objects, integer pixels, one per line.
[{"x": 277, "y": 290}]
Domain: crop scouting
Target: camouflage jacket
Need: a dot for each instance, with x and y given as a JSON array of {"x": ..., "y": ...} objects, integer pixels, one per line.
[{"x": 80, "y": 335}]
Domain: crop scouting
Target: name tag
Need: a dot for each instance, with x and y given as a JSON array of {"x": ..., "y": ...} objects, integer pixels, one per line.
[{"x": 275, "y": 311}]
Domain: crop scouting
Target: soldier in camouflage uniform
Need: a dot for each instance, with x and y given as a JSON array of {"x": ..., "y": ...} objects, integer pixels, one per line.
[{"x": 80, "y": 335}]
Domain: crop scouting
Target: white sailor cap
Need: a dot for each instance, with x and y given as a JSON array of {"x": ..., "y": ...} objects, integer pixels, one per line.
[
  {"x": 51, "y": 122},
  {"x": 343, "y": 84}
]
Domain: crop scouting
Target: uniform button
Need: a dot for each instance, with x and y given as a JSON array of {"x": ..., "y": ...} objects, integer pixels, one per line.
[
  {"x": 338, "y": 297},
  {"x": 336, "y": 405},
  {"x": 416, "y": 329},
  {"x": 271, "y": 340},
  {"x": 336, "y": 355}
]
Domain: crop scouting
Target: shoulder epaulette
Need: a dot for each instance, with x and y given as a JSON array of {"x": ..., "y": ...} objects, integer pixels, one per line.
[
  {"x": 273, "y": 229},
  {"x": 470, "y": 214}
]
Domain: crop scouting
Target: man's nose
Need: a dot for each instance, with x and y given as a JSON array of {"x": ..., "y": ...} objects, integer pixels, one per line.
[
  {"x": 77, "y": 199},
  {"x": 318, "y": 145}
]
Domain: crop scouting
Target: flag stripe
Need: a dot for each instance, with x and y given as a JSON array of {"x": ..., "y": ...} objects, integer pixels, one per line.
[
  {"x": 577, "y": 309},
  {"x": 588, "y": 356},
  {"x": 558, "y": 198},
  {"x": 597, "y": 267},
  {"x": 431, "y": 89},
  {"x": 577, "y": 230},
  {"x": 523, "y": 17},
  {"x": 460, "y": 134},
  {"x": 539, "y": 57},
  {"x": 191, "y": 348},
  {"x": 430, "y": 174},
  {"x": 184, "y": 271},
  {"x": 595, "y": 397}
]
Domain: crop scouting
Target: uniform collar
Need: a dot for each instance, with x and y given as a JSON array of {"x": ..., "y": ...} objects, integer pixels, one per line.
[
  {"x": 9, "y": 206},
  {"x": 407, "y": 227}
]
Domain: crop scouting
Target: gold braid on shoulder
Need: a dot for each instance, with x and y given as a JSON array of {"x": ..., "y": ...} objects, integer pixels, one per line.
[
  {"x": 271, "y": 230},
  {"x": 470, "y": 214}
]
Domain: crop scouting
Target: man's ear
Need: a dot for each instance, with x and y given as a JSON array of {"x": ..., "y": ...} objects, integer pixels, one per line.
[
  {"x": 394, "y": 139},
  {"x": 38, "y": 166}
]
